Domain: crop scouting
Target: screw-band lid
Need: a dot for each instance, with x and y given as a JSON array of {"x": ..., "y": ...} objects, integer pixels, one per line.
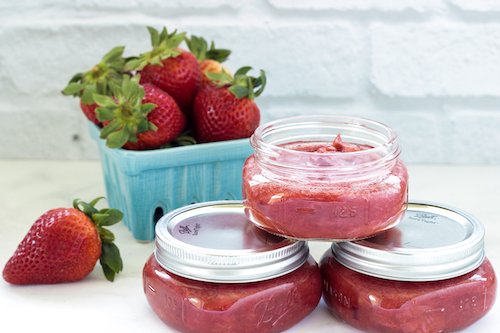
[
  {"x": 431, "y": 242},
  {"x": 215, "y": 242}
]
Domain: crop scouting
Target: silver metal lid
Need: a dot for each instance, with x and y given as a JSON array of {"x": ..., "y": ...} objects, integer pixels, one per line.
[
  {"x": 430, "y": 243},
  {"x": 215, "y": 242}
]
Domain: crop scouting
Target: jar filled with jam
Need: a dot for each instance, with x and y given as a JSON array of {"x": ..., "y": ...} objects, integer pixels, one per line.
[
  {"x": 213, "y": 271},
  {"x": 429, "y": 274},
  {"x": 325, "y": 177}
]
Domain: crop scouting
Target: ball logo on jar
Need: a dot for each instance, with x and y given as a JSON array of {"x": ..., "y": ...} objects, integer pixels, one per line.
[
  {"x": 276, "y": 307},
  {"x": 189, "y": 230},
  {"x": 338, "y": 296}
]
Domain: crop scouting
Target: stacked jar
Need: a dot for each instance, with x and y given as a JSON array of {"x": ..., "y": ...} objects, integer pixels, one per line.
[{"x": 393, "y": 266}]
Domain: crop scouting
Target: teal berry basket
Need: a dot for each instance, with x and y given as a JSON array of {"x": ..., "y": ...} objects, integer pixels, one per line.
[{"x": 145, "y": 185}]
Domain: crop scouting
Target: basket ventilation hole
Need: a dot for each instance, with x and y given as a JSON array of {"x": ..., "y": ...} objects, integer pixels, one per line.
[{"x": 157, "y": 214}]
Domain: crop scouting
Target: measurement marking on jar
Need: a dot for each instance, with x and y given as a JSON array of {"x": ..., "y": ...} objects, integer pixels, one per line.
[
  {"x": 344, "y": 210},
  {"x": 276, "y": 307}
]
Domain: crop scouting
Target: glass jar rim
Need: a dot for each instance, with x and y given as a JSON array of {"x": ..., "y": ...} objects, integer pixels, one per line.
[
  {"x": 315, "y": 119},
  {"x": 386, "y": 149}
]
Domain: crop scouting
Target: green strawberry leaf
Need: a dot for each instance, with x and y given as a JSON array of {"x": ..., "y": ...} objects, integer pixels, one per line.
[
  {"x": 118, "y": 138},
  {"x": 242, "y": 71},
  {"x": 164, "y": 46},
  {"x": 86, "y": 208},
  {"x": 111, "y": 257},
  {"x": 76, "y": 78},
  {"x": 95, "y": 201},
  {"x": 108, "y": 272},
  {"x": 239, "y": 91},
  {"x": 155, "y": 36},
  {"x": 244, "y": 85},
  {"x": 107, "y": 217},
  {"x": 73, "y": 88},
  {"x": 220, "y": 79},
  {"x": 105, "y": 114},
  {"x": 105, "y": 235},
  {"x": 103, "y": 100},
  {"x": 114, "y": 54},
  {"x": 88, "y": 94},
  {"x": 147, "y": 108},
  {"x": 135, "y": 64}
]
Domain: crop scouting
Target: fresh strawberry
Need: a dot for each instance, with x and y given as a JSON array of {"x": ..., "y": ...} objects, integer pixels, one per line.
[
  {"x": 97, "y": 80},
  {"x": 227, "y": 111},
  {"x": 210, "y": 59},
  {"x": 170, "y": 68},
  {"x": 89, "y": 112},
  {"x": 139, "y": 117},
  {"x": 64, "y": 244}
]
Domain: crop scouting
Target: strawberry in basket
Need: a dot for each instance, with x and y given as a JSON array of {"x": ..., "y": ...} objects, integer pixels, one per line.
[
  {"x": 210, "y": 59},
  {"x": 97, "y": 80},
  {"x": 226, "y": 110},
  {"x": 138, "y": 117},
  {"x": 169, "y": 67}
]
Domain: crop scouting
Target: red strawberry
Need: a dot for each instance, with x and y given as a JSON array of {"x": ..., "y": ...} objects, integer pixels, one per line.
[
  {"x": 227, "y": 111},
  {"x": 210, "y": 59},
  {"x": 89, "y": 112},
  {"x": 97, "y": 80},
  {"x": 139, "y": 117},
  {"x": 167, "y": 117},
  {"x": 64, "y": 244},
  {"x": 170, "y": 68}
]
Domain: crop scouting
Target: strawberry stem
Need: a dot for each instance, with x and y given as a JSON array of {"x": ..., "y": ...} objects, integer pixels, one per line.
[
  {"x": 165, "y": 45},
  {"x": 124, "y": 115},
  {"x": 110, "y": 259},
  {"x": 99, "y": 78},
  {"x": 241, "y": 85},
  {"x": 199, "y": 47}
]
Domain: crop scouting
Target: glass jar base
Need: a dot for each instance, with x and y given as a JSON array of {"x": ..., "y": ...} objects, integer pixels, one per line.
[{"x": 393, "y": 222}]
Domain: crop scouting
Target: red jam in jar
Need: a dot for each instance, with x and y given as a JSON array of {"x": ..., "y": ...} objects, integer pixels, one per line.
[
  {"x": 427, "y": 275},
  {"x": 325, "y": 177},
  {"x": 213, "y": 271}
]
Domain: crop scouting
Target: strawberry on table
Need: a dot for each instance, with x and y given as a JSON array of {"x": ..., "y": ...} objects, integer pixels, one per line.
[
  {"x": 169, "y": 67},
  {"x": 226, "y": 110},
  {"x": 139, "y": 117},
  {"x": 64, "y": 244},
  {"x": 97, "y": 80},
  {"x": 210, "y": 59}
]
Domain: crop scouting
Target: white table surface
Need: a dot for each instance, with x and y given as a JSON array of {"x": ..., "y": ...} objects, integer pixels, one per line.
[{"x": 30, "y": 188}]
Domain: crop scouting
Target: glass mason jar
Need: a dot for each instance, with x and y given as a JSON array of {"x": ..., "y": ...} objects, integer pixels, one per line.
[
  {"x": 213, "y": 271},
  {"x": 301, "y": 183},
  {"x": 429, "y": 274}
]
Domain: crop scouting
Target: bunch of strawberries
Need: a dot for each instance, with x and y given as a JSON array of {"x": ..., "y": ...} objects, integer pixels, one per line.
[{"x": 168, "y": 96}]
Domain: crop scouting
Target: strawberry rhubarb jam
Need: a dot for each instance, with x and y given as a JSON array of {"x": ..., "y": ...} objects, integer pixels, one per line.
[
  {"x": 213, "y": 271},
  {"x": 427, "y": 275},
  {"x": 325, "y": 177}
]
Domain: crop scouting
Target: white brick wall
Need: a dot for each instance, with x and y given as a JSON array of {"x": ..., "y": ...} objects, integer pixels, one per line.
[{"x": 429, "y": 68}]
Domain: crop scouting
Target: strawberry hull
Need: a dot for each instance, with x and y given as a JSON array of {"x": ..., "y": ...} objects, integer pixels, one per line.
[{"x": 144, "y": 185}]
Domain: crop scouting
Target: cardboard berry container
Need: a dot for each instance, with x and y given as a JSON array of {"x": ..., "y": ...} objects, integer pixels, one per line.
[{"x": 145, "y": 185}]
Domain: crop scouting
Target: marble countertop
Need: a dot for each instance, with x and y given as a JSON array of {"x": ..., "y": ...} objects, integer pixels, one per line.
[{"x": 29, "y": 188}]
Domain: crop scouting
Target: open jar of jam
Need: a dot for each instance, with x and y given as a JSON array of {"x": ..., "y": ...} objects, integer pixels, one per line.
[
  {"x": 325, "y": 177},
  {"x": 213, "y": 271},
  {"x": 429, "y": 274}
]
